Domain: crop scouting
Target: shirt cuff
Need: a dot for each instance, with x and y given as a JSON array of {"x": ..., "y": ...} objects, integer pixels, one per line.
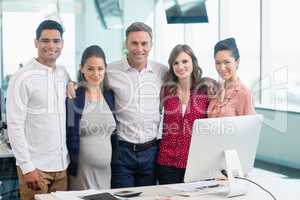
[{"x": 27, "y": 167}]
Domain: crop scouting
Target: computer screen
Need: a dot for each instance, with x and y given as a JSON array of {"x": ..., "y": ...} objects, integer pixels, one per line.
[
  {"x": 212, "y": 136},
  {"x": 110, "y": 13},
  {"x": 185, "y": 11}
]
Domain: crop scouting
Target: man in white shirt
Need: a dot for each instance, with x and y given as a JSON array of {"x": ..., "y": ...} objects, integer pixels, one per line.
[
  {"x": 136, "y": 83},
  {"x": 36, "y": 116}
]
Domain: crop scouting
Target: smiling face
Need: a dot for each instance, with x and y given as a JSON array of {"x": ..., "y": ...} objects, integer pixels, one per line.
[
  {"x": 226, "y": 65},
  {"x": 138, "y": 45},
  {"x": 93, "y": 71},
  {"x": 49, "y": 46},
  {"x": 183, "y": 66}
]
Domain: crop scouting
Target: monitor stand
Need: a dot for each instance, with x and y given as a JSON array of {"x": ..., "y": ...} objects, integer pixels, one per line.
[{"x": 237, "y": 187}]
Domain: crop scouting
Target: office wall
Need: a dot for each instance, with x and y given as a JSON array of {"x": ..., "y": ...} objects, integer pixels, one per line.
[
  {"x": 132, "y": 14},
  {"x": 280, "y": 138},
  {"x": 89, "y": 31}
]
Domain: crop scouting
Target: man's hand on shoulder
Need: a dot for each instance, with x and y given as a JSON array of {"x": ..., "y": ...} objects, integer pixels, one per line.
[{"x": 71, "y": 89}]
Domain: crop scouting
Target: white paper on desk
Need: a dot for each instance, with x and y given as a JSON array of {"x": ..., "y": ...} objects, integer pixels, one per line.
[
  {"x": 221, "y": 189},
  {"x": 73, "y": 195},
  {"x": 189, "y": 187}
]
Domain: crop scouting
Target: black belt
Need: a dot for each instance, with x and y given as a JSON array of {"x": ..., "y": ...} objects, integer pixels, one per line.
[{"x": 138, "y": 147}]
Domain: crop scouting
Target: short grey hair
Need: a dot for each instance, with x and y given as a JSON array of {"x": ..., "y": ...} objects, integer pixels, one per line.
[{"x": 139, "y": 26}]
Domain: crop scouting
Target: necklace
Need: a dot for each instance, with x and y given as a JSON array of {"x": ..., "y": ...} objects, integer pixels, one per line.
[{"x": 184, "y": 96}]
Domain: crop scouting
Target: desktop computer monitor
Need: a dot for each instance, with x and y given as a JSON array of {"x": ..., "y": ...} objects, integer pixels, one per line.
[{"x": 213, "y": 136}]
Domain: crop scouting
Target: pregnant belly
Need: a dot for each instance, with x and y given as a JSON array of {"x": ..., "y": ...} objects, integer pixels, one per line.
[{"x": 95, "y": 151}]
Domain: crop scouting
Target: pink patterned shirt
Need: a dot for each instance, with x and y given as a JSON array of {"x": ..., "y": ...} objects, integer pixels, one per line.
[{"x": 233, "y": 101}]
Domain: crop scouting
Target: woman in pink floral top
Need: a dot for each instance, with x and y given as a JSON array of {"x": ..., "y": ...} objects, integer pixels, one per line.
[{"x": 233, "y": 98}]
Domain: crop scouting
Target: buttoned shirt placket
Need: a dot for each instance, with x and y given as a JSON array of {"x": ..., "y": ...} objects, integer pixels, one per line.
[{"x": 55, "y": 85}]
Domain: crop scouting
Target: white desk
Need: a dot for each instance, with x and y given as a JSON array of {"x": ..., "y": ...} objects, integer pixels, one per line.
[
  {"x": 164, "y": 193},
  {"x": 282, "y": 188}
]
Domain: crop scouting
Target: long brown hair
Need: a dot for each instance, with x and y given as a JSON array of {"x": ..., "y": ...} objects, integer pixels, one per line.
[{"x": 170, "y": 79}]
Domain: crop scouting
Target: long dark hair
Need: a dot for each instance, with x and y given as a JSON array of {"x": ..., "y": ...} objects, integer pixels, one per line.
[
  {"x": 170, "y": 79},
  {"x": 89, "y": 52}
]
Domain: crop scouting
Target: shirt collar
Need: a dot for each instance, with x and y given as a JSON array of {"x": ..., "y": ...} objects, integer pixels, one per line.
[
  {"x": 127, "y": 67},
  {"x": 37, "y": 63},
  {"x": 231, "y": 90}
]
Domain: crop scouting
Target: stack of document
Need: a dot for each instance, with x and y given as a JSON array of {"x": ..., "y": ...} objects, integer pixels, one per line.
[{"x": 189, "y": 187}]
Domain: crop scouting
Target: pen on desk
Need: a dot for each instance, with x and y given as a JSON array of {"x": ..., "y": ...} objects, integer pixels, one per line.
[
  {"x": 214, "y": 179},
  {"x": 208, "y": 179},
  {"x": 208, "y": 186}
]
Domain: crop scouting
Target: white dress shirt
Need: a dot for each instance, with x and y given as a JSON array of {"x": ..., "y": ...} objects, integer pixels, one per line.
[
  {"x": 36, "y": 117},
  {"x": 137, "y": 99}
]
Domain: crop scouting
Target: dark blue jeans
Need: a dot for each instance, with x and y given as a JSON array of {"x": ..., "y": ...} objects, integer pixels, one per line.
[{"x": 133, "y": 169}]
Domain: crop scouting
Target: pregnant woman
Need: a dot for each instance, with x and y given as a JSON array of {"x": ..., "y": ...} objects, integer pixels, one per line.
[{"x": 90, "y": 123}]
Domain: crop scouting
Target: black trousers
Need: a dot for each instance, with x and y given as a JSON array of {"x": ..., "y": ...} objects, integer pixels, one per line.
[{"x": 169, "y": 175}]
